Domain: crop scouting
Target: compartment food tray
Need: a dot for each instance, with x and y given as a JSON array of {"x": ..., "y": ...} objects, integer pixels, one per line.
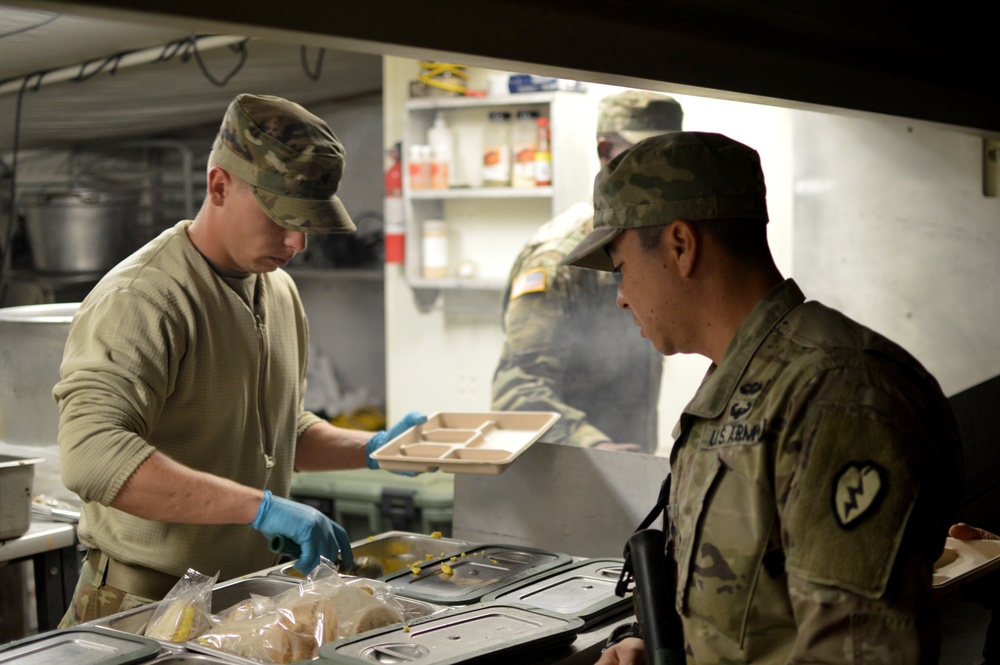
[
  {"x": 585, "y": 589},
  {"x": 963, "y": 561},
  {"x": 489, "y": 630},
  {"x": 476, "y": 443}
]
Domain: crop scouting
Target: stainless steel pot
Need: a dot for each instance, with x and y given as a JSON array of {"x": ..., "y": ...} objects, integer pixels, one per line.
[{"x": 79, "y": 230}]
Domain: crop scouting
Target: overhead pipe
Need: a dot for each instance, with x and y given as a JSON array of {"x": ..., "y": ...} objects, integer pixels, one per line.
[{"x": 122, "y": 60}]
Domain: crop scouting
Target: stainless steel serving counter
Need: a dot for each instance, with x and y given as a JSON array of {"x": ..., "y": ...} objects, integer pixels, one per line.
[{"x": 51, "y": 547}]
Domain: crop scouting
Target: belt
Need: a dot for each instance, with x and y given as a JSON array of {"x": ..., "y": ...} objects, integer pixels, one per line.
[{"x": 128, "y": 577}]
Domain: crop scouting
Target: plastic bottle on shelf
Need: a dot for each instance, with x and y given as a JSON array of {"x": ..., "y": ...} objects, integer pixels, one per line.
[
  {"x": 442, "y": 144},
  {"x": 543, "y": 155},
  {"x": 434, "y": 249},
  {"x": 394, "y": 227},
  {"x": 524, "y": 143},
  {"x": 417, "y": 167},
  {"x": 496, "y": 150}
]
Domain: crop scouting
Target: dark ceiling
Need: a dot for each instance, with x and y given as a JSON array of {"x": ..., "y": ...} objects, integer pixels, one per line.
[{"x": 926, "y": 62}]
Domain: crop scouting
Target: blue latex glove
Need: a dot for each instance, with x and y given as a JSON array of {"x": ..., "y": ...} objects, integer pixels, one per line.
[
  {"x": 384, "y": 437},
  {"x": 314, "y": 533}
]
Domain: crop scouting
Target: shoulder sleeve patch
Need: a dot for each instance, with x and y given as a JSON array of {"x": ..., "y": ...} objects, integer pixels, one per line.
[
  {"x": 857, "y": 491},
  {"x": 532, "y": 281}
]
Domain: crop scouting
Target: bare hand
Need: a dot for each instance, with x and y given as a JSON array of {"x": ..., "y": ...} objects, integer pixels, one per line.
[
  {"x": 963, "y": 531},
  {"x": 630, "y": 651}
]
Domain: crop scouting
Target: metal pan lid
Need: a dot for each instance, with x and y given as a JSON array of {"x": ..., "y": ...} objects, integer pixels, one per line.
[
  {"x": 464, "y": 635},
  {"x": 585, "y": 589},
  {"x": 81, "y": 645},
  {"x": 468, "y": 576}
]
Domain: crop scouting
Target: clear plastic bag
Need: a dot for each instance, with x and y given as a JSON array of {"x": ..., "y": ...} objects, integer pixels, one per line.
[
  {"x": 299, "y": 621},
  {"x": 184, "y": 613}
]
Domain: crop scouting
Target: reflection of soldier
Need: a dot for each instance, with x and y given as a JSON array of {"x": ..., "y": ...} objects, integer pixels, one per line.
[
  {"x": 818, "y": 466},
  {"x": 567, "y": 347}
]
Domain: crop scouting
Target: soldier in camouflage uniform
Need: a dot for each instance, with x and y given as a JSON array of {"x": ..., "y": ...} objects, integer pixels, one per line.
[
  {"x": 182, "y": 380},
  {"x": 567, "y": 347},
  {"x": 817, "y": 468}
]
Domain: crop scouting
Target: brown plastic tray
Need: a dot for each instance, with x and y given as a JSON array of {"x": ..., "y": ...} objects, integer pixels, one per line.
[
  {"x": 963, "y": 561},
  {"x": 475, "y": 443}
]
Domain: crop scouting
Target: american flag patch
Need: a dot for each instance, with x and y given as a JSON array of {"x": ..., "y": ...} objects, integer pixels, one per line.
[{"x": 528, "y": 282}]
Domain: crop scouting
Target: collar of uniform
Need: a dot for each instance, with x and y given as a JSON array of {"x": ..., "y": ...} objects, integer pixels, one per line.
[{"x": 720, "y": 382}]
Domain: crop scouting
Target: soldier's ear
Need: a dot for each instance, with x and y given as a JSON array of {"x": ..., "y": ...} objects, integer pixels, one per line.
[{"x": 680, "y": 244}]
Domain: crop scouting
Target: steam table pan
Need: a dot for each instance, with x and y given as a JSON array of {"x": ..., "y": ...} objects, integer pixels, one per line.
[
  {"x": 476, "y": 443},
  {"x": 382, "y": 555},
  {"x": 585, "y": 589},
  {"x": 490, "y": 632},
  {"x": 82, "y": 645},
  {"x": 466, "y": 577}
]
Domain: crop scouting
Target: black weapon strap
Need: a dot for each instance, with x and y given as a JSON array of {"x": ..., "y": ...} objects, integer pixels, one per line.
[{"x": 626, "y": 578}]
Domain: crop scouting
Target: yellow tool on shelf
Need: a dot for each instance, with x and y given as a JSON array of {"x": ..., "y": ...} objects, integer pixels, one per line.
[{"x": 444, "y": 76}]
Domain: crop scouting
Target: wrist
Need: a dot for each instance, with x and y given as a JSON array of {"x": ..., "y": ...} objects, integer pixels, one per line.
[
  {"x": 265, "y": 503},
  {"x": 623, "y": 632}
]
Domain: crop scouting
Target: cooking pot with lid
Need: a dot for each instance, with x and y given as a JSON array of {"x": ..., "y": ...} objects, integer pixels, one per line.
[{"x": 79, "y": 230}]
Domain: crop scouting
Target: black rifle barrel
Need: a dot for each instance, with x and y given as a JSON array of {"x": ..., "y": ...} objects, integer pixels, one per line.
[{"x": 655, "y": 585}]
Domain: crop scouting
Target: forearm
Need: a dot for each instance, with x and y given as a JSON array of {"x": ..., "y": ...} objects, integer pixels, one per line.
[
  {"x": 324, "y": 447},
  {"x": 163, "y": 490}
]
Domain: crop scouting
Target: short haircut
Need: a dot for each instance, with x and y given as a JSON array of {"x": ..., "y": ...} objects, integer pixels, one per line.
[{"x": 745, "y": 240}]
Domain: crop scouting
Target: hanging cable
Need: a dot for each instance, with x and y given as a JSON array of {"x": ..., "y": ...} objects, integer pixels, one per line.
[
  {"x": 240, "y": 48},
  {"x": 110, "y": 60},
  {"x": 313, "y": 76}
]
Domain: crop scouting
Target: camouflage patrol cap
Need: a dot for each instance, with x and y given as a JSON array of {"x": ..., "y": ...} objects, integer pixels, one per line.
[
  {"x": 291, "y": 159},
  {"x": 638, "y": 114},
  {"x": 681, "y": 175}
]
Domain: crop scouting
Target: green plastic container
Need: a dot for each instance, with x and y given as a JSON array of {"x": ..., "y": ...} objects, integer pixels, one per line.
[{"x": 367, "y": 502}]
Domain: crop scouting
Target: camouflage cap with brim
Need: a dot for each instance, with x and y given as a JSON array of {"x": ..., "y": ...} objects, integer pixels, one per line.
[
  {"x": 638, "y": 114},
  {"x": 291, "y": 159},
  {"x": 681, "y": 175}
]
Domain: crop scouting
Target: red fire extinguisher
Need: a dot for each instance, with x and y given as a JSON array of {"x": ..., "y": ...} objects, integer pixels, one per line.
[{"x": 395, "y": 227}]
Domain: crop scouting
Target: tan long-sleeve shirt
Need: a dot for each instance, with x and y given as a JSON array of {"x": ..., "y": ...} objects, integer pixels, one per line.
[{"x": 164, "y": 355}]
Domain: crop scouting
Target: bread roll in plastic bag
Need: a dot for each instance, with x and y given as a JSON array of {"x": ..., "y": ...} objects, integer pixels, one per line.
[{"x": 184, "y": 613}]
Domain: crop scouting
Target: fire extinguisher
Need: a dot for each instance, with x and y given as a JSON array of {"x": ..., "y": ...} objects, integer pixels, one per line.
[{"x": 395, "y": 226}]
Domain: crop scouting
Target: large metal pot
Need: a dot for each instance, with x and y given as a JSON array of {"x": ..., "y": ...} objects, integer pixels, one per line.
[{"x": 79, "y": 230}]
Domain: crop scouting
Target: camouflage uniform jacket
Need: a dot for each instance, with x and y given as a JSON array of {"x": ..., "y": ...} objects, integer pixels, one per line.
[
  {"x": 568, "y": 348},
  {"x": 815, "y": 474},
  {"x": 164, "y": 355}
]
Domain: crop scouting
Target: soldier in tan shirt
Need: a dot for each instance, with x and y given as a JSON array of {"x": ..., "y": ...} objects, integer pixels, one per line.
[{"x": 181, "y": 392}]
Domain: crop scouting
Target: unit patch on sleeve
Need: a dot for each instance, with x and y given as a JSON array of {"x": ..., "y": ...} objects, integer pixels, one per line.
[
  {"x": 857, "y": 491},
  {"x": 531, "y": 281}
]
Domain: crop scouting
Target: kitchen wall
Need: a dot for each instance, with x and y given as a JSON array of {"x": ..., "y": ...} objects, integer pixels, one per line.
[{"x": 891, "y": 226}]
